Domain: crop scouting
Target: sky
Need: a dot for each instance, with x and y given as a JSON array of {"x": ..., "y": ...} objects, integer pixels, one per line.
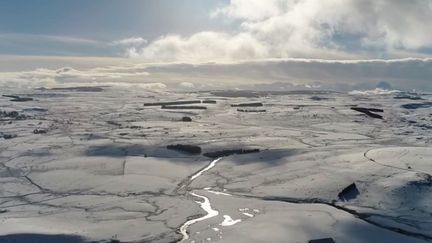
[
  {"x": 300, "y": 42},
  {"x": 96, "y": 27}
]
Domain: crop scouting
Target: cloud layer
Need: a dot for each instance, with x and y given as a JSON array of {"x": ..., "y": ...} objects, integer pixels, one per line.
[
  {"x": 404, "y": 74},
  {"x": 44, "y": 77},
  {"x": 331, "y": 29}
]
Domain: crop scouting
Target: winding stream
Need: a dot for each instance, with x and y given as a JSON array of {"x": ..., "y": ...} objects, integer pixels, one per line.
[
  {"x": 205, "y": 204},
  {"x": 210, "y": 166}
]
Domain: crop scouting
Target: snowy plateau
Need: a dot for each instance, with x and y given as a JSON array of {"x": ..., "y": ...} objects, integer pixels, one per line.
[{"x": 112, "y": 164}]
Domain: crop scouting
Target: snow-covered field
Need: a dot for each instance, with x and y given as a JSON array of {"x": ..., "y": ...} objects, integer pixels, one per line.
[{"x": 93, "y": 166}]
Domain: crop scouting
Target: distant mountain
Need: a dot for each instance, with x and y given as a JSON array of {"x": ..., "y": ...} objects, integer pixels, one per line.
[{"x": 384, "y": 85}]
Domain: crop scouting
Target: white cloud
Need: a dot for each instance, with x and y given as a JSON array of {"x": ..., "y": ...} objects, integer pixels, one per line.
[
  {"x": 131, "y": 45},
  {"x": 130, "y": 41},
  {"x": 251, "y": 9},
  {"x": 153, "y": 86},
  {"x": 187, "y": 85},
  {"x": 376, "y": 91},
  {"x": 202, "y": 47},
  {"x": 331, "y": 29}
]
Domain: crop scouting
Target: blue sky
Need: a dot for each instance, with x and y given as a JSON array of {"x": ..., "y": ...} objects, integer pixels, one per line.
[
  {"x": 106, "y": 19},
  {"x": 83, "y": 27}
]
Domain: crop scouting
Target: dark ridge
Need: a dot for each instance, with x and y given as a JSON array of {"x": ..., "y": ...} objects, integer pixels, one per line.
[
  {"x": 41, "y": 238},
  {"x": 16, "y": 98},
  {"x": 318, "y": 98},
  {"x": 36, "y": 109},
  {"x": 184, "y": 102},
  {"x": 243, "y": 110},
  {"x": 425, "y": 126},
  {"x": 407, "y": 97},
  {"x": 114, "y": 123},
  {"x": 81, "y": 89},
  {"x": 257, "y": 94},
  {"x": 7, "y": 136},
  {"x": 368, "y": 111},
  {"x": 22, "y": 99},
  {"x": 349, "y": 193},
  {"x": 49, "y": 95},
  {"x": 374, "y": 109},
  {"x": 11, "y": 96},
  {"x": 224, "y": 153},
  {"x": 415, "y": 106},
  {"x": 135, "y": 127},
  {"x": 326, "y": 240},
  {"x": 256, "y": 104},
  {"x": 238, "y": 93},
  {"x": 178, "y": 107},
  {"x": 189, "y": 149}
]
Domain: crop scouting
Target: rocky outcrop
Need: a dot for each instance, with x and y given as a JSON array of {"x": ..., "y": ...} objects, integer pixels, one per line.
[{"x": 349, "y": 193}]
